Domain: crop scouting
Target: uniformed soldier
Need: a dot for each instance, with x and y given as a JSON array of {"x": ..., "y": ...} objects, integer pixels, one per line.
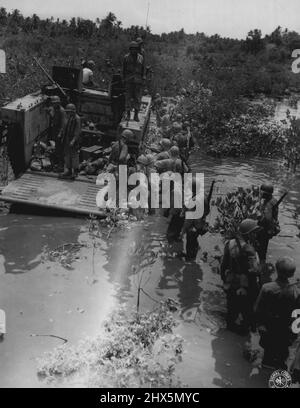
[
  {"x": 133, "y": 75},
  {"x": 273, "y": 309},
  {"x": 119, "y": 154},
  {"x": 71, "y": 140},
  {"x": 268, "y": 221},
  {"x": 58, "y": 121},
  {"x": 165, "y": 148},
  {"x": 240, "y": 272}
]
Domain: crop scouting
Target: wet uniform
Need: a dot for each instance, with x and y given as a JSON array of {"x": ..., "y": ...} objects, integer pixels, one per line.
[
  {"x": 270, "y": 226},
  {"x": 273, "y": 308},
  {"x": 239, "y": 271}
]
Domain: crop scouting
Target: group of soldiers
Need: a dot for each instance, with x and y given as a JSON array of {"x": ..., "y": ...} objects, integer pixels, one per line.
[
  {"x": 254, "y": 301},
  {"x": 64, "y": 131}
]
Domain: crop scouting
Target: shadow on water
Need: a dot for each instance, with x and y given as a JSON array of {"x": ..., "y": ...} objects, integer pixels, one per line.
[{"x": 26, "y": 231}]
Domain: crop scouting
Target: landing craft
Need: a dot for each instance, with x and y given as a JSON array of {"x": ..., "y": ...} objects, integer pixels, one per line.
[{"x": 25, "y": 122}]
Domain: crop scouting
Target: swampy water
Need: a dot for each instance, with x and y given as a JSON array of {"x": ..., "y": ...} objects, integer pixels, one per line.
[{"x": 41, "y": 297}]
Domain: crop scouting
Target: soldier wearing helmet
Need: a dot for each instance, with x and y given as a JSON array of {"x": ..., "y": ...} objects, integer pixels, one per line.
[
  {"x": 133, "y": 75},
  {"x": 140, "y": 43},
  {"x": 268, "y": 220},
  {"x": 88, "y": 74},
  {"x": 57, "y": 124},
  {"x": 71, "y": 142},
  {"x": 165, "y": 145},
  {"x": 273, "y": 309},
  {"x": 119, "y": 154},
  {"x": 240, "y": 273}
]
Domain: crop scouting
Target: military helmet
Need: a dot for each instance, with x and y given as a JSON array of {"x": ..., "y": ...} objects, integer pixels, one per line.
[
  {"x": 91, "y": 63},
  {"x": 55, "y": 99},
  {"x": 150, "y": 159},
  {"x": 177, "y": 127},
  {"x": 70, "y": 108},
  {"x": 142, "y": 160},
  {"x": 267, "y": 188},
  {"x": 286, "y": 266},
  {"x": 139, "y": 40},
  {"x": 127, "y": 134},
  {"x": 174, "y": 151},
  {"x": 165, "y": 143},
  {"x": 247, "y": 226},
  {"x": 133, "y": 45}
]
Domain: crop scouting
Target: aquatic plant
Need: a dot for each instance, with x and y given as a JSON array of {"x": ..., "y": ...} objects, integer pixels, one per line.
[
  {"x": 135, "y": 350},
  {"x": 234, "y": 207}
]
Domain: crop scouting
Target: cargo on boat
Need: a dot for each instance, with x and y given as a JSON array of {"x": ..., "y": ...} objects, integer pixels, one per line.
[{"x": 25, "y": 121}]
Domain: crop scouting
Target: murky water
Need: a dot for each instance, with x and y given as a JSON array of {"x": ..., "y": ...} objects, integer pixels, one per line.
[{"x": 44, "y": 298}]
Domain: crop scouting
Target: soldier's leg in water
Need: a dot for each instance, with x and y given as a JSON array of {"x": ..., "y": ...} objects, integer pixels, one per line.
[
  {"x": 192, "y": 245},
  {"x": 232, "y": 308},
  {"x": 175, "y": 227}
]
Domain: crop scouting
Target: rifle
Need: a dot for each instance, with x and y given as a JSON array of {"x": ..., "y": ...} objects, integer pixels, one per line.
[
  {"x": 281, "y": 199},
  {"x": 210, "y": 191},
  {"x": 50, "y": 77}
]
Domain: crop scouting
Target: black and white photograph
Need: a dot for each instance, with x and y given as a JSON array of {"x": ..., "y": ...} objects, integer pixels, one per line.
[{"x": 149, "y": 197}]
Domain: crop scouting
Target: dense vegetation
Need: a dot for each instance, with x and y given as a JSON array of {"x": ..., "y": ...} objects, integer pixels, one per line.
[
  {"x": 218, "y": 76},
  {"x": 256, "y": 64}
]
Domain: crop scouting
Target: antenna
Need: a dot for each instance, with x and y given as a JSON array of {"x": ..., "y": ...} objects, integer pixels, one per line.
[{"x": 147, "y": 14}]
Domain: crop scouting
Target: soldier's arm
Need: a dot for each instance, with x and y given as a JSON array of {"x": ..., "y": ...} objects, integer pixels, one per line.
[
  {"x": 77, "y": 131},
  {"x": 260, "y": 307},
  {"x": 123, "y": 154},
  {"x": 225, "y": 264}
]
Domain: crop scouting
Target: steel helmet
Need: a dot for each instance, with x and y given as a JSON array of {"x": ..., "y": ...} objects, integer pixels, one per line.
[
  {"x": 174, "y": 151},
  {"x": 142, "y": 160},
  {"x": 55, "y": 99},
  {"x": 177, "y": 127},
  {"x": 247, "y": 226},
  {"x": 91, "y": 63},
  {"x": 133, "y": 45},
  {"x": 139, "y": 40},
  {"x": 286, "y": 266},
  {"x": 150, "y": 159},
  {"x": 179, "y": 116},
  {"x": 267, "y": 188},
  {"x": 165, "y": 143},
  {"x": 165, "y": 120},
  {"x": 70, "y": 108},
  {"x": 127, "y": 134}
]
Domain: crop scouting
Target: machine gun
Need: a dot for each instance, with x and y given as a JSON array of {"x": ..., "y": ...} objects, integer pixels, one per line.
[{"x": 50, "y": 78}]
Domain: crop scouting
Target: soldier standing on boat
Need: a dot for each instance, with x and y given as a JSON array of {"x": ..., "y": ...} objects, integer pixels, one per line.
[
  {"x": 58, "y": 121},
  {"x": 133, "y": 75},
  {"x": 71, "y": 142}
]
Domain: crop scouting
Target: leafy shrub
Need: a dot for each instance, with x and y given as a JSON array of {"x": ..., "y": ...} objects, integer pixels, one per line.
[
  {"x": 234, "y": 207},
  {"x": 136, "y": 350}
]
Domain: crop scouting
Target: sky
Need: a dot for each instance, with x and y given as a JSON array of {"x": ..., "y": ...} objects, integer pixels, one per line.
[{"x": 229, "y": 18}]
